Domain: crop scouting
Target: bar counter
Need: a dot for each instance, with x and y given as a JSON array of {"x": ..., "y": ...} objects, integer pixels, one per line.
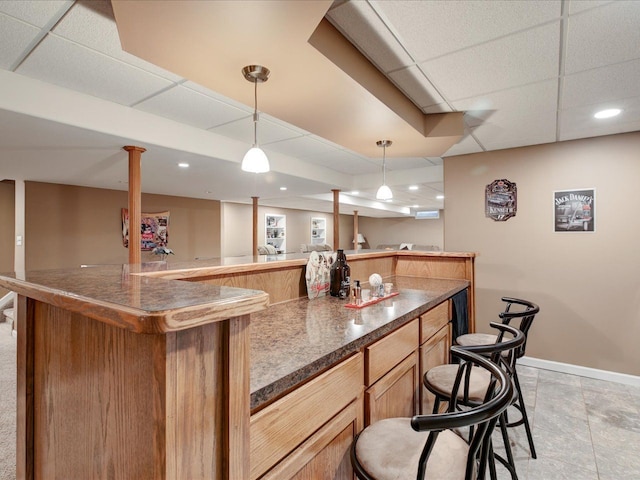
[
  {"x": 293, "y": 341},
  {"x": 177, "y": 370}
]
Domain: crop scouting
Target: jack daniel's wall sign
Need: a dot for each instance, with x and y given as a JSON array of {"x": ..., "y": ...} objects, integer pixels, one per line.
[{"x": 501, "y": 200}]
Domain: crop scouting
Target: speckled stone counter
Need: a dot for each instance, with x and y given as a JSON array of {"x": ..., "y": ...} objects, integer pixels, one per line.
[
  {"x": 123, "y": 296},
  {"x": 293, "y": 341}
]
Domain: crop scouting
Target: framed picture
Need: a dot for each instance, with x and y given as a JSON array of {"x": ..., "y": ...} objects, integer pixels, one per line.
[
  {"x": 154, "y": 229},
  {"x": 574, "y": 210}
]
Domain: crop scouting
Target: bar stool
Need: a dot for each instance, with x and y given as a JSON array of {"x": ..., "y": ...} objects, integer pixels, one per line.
[
  {"x": 425, "y": 446},
  {"x": 440, "y": 381},
  {"x": 526, "y": 317}
]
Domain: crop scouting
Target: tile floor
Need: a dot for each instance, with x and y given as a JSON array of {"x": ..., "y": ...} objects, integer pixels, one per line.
[{"x": 584, "y": 429}]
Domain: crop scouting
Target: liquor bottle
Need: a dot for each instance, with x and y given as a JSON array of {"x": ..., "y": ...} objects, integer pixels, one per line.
[{"x": 340, "y": 277}]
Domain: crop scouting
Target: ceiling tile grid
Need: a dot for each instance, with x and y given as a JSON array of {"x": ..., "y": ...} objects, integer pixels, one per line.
[
  {"x": 269, "y": 131},
  {"x": 590, "y": 42},
  {"x": 193, "y": 108},
  {"x": 69, "y": 65},
  {"x": 602, "y": 86},
  {"x": 38, "y": 14},
  {"x": 498, "y": 61},
  {"x": 91, "y": 24},
  {"x": 498, "y": 64},
  {"x": 16, "y": 37},
  {"x": 452, "y": 26}
]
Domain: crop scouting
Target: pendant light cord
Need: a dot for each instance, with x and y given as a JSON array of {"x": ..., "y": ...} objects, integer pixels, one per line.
[
  {"x": 255, "y": 113},
  {"x": 384, "y": 164}
]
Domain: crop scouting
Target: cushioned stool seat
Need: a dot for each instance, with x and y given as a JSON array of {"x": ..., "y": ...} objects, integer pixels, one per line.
[
  {"x": 442, "y": 377},
  {"x": 390, "y": 449}
]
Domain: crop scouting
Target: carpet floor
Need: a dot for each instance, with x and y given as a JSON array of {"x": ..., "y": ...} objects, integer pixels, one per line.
[{"x": 7, "y": 403}]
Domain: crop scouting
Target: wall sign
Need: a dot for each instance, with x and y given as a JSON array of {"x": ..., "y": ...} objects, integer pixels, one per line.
[
  {"x": 501, "y": 200},
  {"x": 575, "y": 210}
]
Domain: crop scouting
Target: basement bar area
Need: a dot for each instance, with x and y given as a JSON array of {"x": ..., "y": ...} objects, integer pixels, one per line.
[{"x": 222, "y": 369}]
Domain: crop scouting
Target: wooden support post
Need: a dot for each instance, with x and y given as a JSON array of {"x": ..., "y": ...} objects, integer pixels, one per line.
[
  {"x": 336, "y": 219},
  {"x": 255, "y": 225},
  {"x": 355, "y": 230},
  {"x": 135, "y": 201}
]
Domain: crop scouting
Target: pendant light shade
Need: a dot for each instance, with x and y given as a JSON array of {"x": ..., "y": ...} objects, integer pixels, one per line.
[
  {"x": 384, "y": 192},
  {"x": 255, "y": 160}
]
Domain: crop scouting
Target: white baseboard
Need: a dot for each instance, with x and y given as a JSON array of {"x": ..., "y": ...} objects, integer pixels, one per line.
[{"x": 580, "y": 371}]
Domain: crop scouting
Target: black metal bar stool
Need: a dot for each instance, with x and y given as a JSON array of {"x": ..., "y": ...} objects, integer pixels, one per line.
[
  {"x": 526, "y": 313},
  {"x": 440, "y": 381},
  {"x": 426, "y": 446}
]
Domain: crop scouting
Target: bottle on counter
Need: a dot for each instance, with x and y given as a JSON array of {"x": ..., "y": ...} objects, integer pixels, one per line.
[
  {"x": 340, "y": 277},
  {"x": 357, "y": 293}
]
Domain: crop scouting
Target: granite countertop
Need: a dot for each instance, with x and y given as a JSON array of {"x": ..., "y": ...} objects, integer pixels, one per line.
[
  {"x": 121, "y": 295},
  {"x": 293, "y": 341}
]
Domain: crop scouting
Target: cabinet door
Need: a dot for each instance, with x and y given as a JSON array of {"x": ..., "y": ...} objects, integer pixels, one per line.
[
  {"x": 325, "y": 455},
  {"x": 433, "y": 352},
  {"x": 395, "y": 394}
]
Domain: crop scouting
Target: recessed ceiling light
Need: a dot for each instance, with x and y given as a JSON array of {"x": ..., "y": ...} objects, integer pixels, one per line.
[
  {"x": 415, "y": 206},
  {"x": 355, "y": 192},
  {"x": 183, "y": 165},
  {"x": 608, "y": 113},
  {"x": 283, "y": 188},
  {"x": 439, "y": 197},
  {"x": 413, "y": 187}
]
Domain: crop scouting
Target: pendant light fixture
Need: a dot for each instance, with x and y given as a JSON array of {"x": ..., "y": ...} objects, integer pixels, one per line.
[
  {"x": 384, "y": 192},
  {"x": 255, "y": 160}
]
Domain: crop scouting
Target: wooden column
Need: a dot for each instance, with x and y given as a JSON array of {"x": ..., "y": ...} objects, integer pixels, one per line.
[
  {"x": 336, "y": 219},
  {"x": 255, "y": 225},
  {"x": 135, "y": 201},
  {"x": 355, "y": 230}
]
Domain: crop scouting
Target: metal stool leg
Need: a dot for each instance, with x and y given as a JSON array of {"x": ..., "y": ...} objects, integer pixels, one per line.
[{"x": 525, "y": 419}]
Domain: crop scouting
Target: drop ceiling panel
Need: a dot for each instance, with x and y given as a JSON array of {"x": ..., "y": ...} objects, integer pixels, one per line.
[
  {"x": 344, "y": 162},
  {"x": 92, "y": 25},
  {"x": 188, "y": 106},
  {"x": 16, "y": 37},
  {"x": 601, "y": 85},
  {"x": 576, "y": 122},
  {"x": 359, "y": 23},
  {"x": 453, "y": 26},
  {"x": 268, "y": 131},
  {"x": 498, "y": 64},
  {"x": 302, "y": 147},
  {"x": 590, "y": 42},
  {"x": 35, "y": 13},
  {"x": 509, "y": 128},
  {"x": 528, "y": 99},
  {"x": 417, "y": 87},
  {"x": 71, "y": 66},
  {"x": 580, "y": 6}
]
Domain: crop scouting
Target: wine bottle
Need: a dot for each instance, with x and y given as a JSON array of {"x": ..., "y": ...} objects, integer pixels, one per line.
[{"x": 340, "y": 277}]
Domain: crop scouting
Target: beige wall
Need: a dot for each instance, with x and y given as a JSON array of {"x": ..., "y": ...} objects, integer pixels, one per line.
[
  {"x": 402, "y": 230},
  {"x": 7, "y": 222},
  {"x": 67, "y": 226},
  {"x": 237, "y": 232},
  {"x": 587, "y": 284}
]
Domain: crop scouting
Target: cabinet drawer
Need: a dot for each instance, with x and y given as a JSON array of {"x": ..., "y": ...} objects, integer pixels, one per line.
[
  {"x": 387, "y": 352},
  {"x": 282, "y": 426},
  {"x": 434, "y": 320}
]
